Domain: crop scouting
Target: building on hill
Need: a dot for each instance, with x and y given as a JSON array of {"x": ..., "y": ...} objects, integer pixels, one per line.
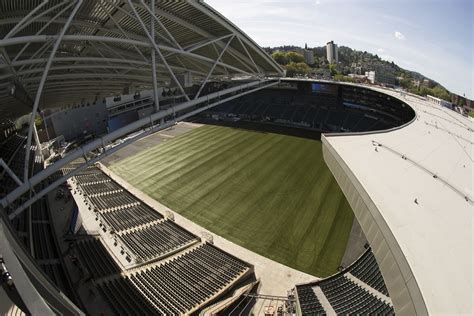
[
  {"x": 308, "y": 55},
  {"x": 461, "y": 101},
  {"x": 331, "y": 52},
  {"x": 382, "y": 75},
  {"x": 440, "y": 102}
]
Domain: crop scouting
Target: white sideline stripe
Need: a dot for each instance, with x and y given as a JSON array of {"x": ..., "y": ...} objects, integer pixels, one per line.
[
  {"x": 167, "y": 136},
  {"x": 370, "y": 289},
  {"x": 324, "y": 301}
]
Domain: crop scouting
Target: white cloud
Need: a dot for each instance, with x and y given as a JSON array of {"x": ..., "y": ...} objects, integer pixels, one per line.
[
  {"x": 380, "y": 50},
  {"x": 399, "y": 36},
  {"x": 318, "y": 2}
]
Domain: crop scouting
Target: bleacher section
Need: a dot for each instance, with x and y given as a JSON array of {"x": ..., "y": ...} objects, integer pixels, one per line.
[
  {"x": 33, "y": 225},
  {"x": 368, "y": 271},
  {"x": 347, "y": 296},
  {"x": 184, "y": 283},
  {"x": 174, "y": 272},
  {"x": 308, "y": 301},
  {"x": 346, "y": 110},
  {"x": 130, "y": 217},
  {"x": 113, "y": 200},
  {"x": 96, "y": 258},
  {"x": 125, "y": 299},
  {"x": 156, "y": 240}
]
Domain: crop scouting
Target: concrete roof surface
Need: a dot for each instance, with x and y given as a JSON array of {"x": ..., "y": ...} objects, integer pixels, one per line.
[{"x": 423, "y": 198}]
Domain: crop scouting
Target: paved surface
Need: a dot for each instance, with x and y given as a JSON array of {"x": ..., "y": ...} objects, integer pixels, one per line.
[{"x": 149, "y": 141}]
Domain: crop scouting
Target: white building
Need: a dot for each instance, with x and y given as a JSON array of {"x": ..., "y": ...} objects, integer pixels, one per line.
[
  {"x": 371, "y": 76},
  {"x": 439, "y": 102},
  {"x": 331, "y": 52}
]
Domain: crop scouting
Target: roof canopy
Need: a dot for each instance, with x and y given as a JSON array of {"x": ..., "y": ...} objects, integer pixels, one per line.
[{"x": 104, "y": 46}]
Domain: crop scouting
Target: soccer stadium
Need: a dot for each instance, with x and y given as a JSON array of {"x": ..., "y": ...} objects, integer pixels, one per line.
[{"x": 155, "y": 160}]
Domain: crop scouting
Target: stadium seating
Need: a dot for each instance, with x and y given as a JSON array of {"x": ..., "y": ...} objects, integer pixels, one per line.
[
  {"x": 156, "y": 240},
  {"x": 113, "y": 200},
  {"x": 346, "y": 296},
  {"x": 353, "y": 111},
  {"x": 99, "y": 187},
  {"x": 44, "y": 247},
  {"x": 125, "y": 299},
  {"x": 188, "y": 281},
  {"x": 308, "y": 301},
  {"x": 96, "y": 258},
  {"x": 367, "y": 271},
  {"x": 130, "y": 217},
  {"x": 158, "y": 285}
]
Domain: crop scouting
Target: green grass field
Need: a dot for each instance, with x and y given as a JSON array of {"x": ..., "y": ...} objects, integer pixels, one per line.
[{"x": 270, "y": 193}]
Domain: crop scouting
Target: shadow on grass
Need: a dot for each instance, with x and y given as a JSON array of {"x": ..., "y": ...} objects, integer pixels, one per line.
[{"x": 264, "y": 127}]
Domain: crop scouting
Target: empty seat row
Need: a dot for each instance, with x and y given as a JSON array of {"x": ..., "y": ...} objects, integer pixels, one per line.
[
  {"x": 156, "y": 240},
  {"x": 125, "y": 299},
  {"x": 308, "y": 300},
  {"x": 100, "y": 187},
  {"x": 346, "y": 296},
  {"x": 130, "y": 217},
  {"x": 95, "y": 177},
  {"x": 368, "y": 271},
  {"x": 96, "y": 258},
  {"x": 189, "y": 280},
  {"x": 114, "y": 200}
]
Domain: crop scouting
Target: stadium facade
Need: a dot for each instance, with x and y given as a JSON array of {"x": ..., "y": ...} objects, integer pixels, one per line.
[{"x": 404, "y": 165}]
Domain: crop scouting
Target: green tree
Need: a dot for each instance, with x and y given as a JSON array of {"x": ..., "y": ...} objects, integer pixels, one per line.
[
  {"x": 280, "y": 57},
  {"x": 341, "y": 77},
  {"x": 293, "y": 69},
  {"x": 441, "y": 93},
  {"x": 406, "y": 83},
  {"x": 294, "y": 57},
  {"x": 332, "y": 69}
]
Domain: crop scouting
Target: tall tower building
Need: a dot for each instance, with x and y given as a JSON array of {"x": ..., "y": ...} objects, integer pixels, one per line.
[
  {"x": 331, "y": 52},
  {"x": 308, "y": 55}
]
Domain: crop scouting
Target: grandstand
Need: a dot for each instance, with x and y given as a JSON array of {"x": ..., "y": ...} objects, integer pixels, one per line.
[
  {"x": 358, "y": 289},
  {"x": 166, "y": 259},
  {"x": 76, "y": 240}
]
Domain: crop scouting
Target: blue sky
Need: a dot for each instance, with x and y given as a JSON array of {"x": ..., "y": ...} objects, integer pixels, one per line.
[{"x": 432, "y": 37}]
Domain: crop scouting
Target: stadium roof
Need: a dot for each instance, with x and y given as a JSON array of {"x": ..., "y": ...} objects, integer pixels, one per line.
[
  {"x": 107, "y": 46},
  {"x": 411, "y": 190}
]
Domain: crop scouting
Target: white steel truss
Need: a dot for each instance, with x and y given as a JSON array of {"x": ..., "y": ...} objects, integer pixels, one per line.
[{"x": 57, "y": 51}]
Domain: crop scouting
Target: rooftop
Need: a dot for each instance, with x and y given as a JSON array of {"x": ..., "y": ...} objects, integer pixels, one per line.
[{"x": 419, "y": 177}]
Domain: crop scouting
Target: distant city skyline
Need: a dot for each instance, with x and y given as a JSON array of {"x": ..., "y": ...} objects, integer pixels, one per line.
[{"x": 434, "y": 38}]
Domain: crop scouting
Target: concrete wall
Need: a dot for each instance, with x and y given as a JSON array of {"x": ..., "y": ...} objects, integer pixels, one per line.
[{"x": 75, "y": 122}]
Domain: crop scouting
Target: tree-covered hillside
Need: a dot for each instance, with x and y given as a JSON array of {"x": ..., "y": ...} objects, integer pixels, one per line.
[{"x": 357, "y": 62}]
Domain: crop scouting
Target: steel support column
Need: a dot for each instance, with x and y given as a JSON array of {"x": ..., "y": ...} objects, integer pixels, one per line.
[
  {"x": 157, "y": 49},
  {"x": 41, "y": 85},
  {"x": 153, "y": 59},
  {"x": 213, "y": 67},
  {"x": 99, "y": 142},
  {"x": 10, "y": 172}
]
